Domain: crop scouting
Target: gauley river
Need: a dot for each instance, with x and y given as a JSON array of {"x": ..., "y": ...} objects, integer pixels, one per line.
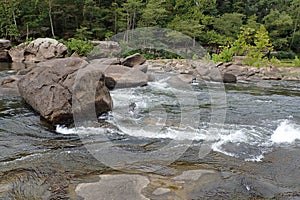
[{"x": 255, "y": 120}]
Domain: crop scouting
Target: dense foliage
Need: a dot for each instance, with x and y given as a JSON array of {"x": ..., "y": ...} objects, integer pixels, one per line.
[{"x": 215, "y": 24}]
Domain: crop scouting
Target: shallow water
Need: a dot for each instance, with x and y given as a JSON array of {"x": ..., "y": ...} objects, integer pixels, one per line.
[
  {"x": 159, "y": 123},
  {"x": 249, "y": 121}
]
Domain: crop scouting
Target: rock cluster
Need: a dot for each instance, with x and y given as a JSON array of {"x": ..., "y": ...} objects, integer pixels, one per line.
[
  {"x": 58, "y": 88},
  {"x": 53, "y": 84},
  {"x": 226, "y": 72},
  {"x": 38, "y": 50}
]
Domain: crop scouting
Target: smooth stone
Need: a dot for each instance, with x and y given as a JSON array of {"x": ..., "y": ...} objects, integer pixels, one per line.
[
  {"x": 161, "y": 191},
  {"x": 192, "y": 175},
  {"x": 117, "y": 187}
]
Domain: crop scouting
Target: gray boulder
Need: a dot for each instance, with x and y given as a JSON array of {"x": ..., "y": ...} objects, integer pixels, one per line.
[
  {"x": 4, "y": 44},
  {"x": 236, "y": 70},
  {"x": 119, "y": 76},
  {"x": 17, "y": 53},
  {"x": 133, "y": 60},
  {"x": 48, "y": 89},
  {"x": 39, "y": 50},
  {"x": 143, "y": 68},
  {"x": 4, "y": 47},
  {"x": 229, "y": 78}
]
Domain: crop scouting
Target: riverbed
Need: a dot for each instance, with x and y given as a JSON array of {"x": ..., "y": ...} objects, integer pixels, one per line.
[{"x": 243, "y": 139}]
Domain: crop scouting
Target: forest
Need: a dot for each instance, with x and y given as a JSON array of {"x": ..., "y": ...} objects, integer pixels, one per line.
[{"x": 215, "y": 24}]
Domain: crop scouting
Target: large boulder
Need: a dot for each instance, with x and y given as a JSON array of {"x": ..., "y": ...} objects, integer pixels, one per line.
[
  {"x": 229, "y": 78},
  {"x": 133, "y": 60},
  {"x": 4, "y": 47},
  {"x": 48, "y": 89},
  {"x": 17, "y": 53},
  {"x": 39, "y": 50},
  {"x": 4, "y": 44},
  {"x": 119, "y": 76}
]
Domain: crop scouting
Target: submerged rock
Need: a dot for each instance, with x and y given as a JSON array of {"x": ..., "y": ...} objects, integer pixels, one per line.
[
  {"x": 8, "y": 85},
  {"x": 48, "y": 89},
  {"x": 121, "y": 186}
]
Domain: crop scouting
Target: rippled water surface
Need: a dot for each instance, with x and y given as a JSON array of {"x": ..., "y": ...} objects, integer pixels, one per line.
[{"x": 243, "y": 120}]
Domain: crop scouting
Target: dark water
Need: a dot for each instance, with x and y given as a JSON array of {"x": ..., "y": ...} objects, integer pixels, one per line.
[{"x": 38, "y": 162}]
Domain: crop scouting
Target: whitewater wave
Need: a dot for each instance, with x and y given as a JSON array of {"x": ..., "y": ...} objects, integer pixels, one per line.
[
  {"x": 286, "y": 132},
  {"x": 242, "y": 141}
]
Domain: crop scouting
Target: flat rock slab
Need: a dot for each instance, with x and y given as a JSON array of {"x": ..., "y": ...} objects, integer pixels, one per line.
[
  {"x": 192, "y": 175},
  {"x": 117, "y": 187}
]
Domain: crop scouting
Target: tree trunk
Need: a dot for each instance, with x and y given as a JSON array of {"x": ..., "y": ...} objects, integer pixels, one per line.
[
  {"x": 27, "y": 31},
  {"x": 50, "y": 18},
  {"x": 14, "y": 18},
  {"x": 295, "y": 29}
]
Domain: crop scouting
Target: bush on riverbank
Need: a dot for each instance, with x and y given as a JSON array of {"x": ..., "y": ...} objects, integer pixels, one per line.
[{"x": 81, "y": 47}]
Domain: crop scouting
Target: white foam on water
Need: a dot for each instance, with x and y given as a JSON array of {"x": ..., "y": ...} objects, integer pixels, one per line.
[
  {"x": 286, "y": 132},
  {"x": 64, "y": 130},
  {"x": 81, "y": 130},
  {"x": 256, "y": 159}
]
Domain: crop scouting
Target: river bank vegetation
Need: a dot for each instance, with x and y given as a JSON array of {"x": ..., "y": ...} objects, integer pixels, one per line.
[{"x": 263, "y": 30}]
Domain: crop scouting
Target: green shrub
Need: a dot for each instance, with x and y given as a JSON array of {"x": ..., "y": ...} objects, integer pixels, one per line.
[
  {"x": 81, "y": 47},
  {"x": 275, "y": 61},
  {"x": 284, "y": 55},
  {"x": 255, "y": 62},
  {"x": 296, "y": 61},
  {"x": 152, "y": 54},
  {"x": 225, "y": 56}
]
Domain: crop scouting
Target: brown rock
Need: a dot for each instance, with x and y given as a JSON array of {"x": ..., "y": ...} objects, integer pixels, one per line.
[
  {"x": 48, "y": 88},
  {"x": 229, "y": 78},
  {"x": 133, "y": 60},
  {"x": 4, "y": 56}
]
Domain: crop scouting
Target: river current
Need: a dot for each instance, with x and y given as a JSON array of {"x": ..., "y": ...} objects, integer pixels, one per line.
[{"x": 245, "y": 120}]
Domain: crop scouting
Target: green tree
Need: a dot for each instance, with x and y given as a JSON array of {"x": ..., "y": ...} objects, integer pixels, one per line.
[
  {"x": 9, "y": 13},
  {"x": 190, "y": 16},
  {"x": 154, "y": 14},
  {"x": 254, "y": 44},
  {"x": 295, "y": 38},
  {"x": 229, "y": 25},
  {"x": 280, "y": 26}
]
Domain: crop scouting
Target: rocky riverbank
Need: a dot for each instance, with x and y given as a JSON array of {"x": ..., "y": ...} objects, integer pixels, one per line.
[
  {"x": 215, "y": 177},
  {"x": 47, "y": 80},
  {"x": 206, "y": 70}
]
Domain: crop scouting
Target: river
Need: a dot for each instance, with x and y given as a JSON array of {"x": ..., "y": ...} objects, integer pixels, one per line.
[{"x": 150, "y": 128}]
